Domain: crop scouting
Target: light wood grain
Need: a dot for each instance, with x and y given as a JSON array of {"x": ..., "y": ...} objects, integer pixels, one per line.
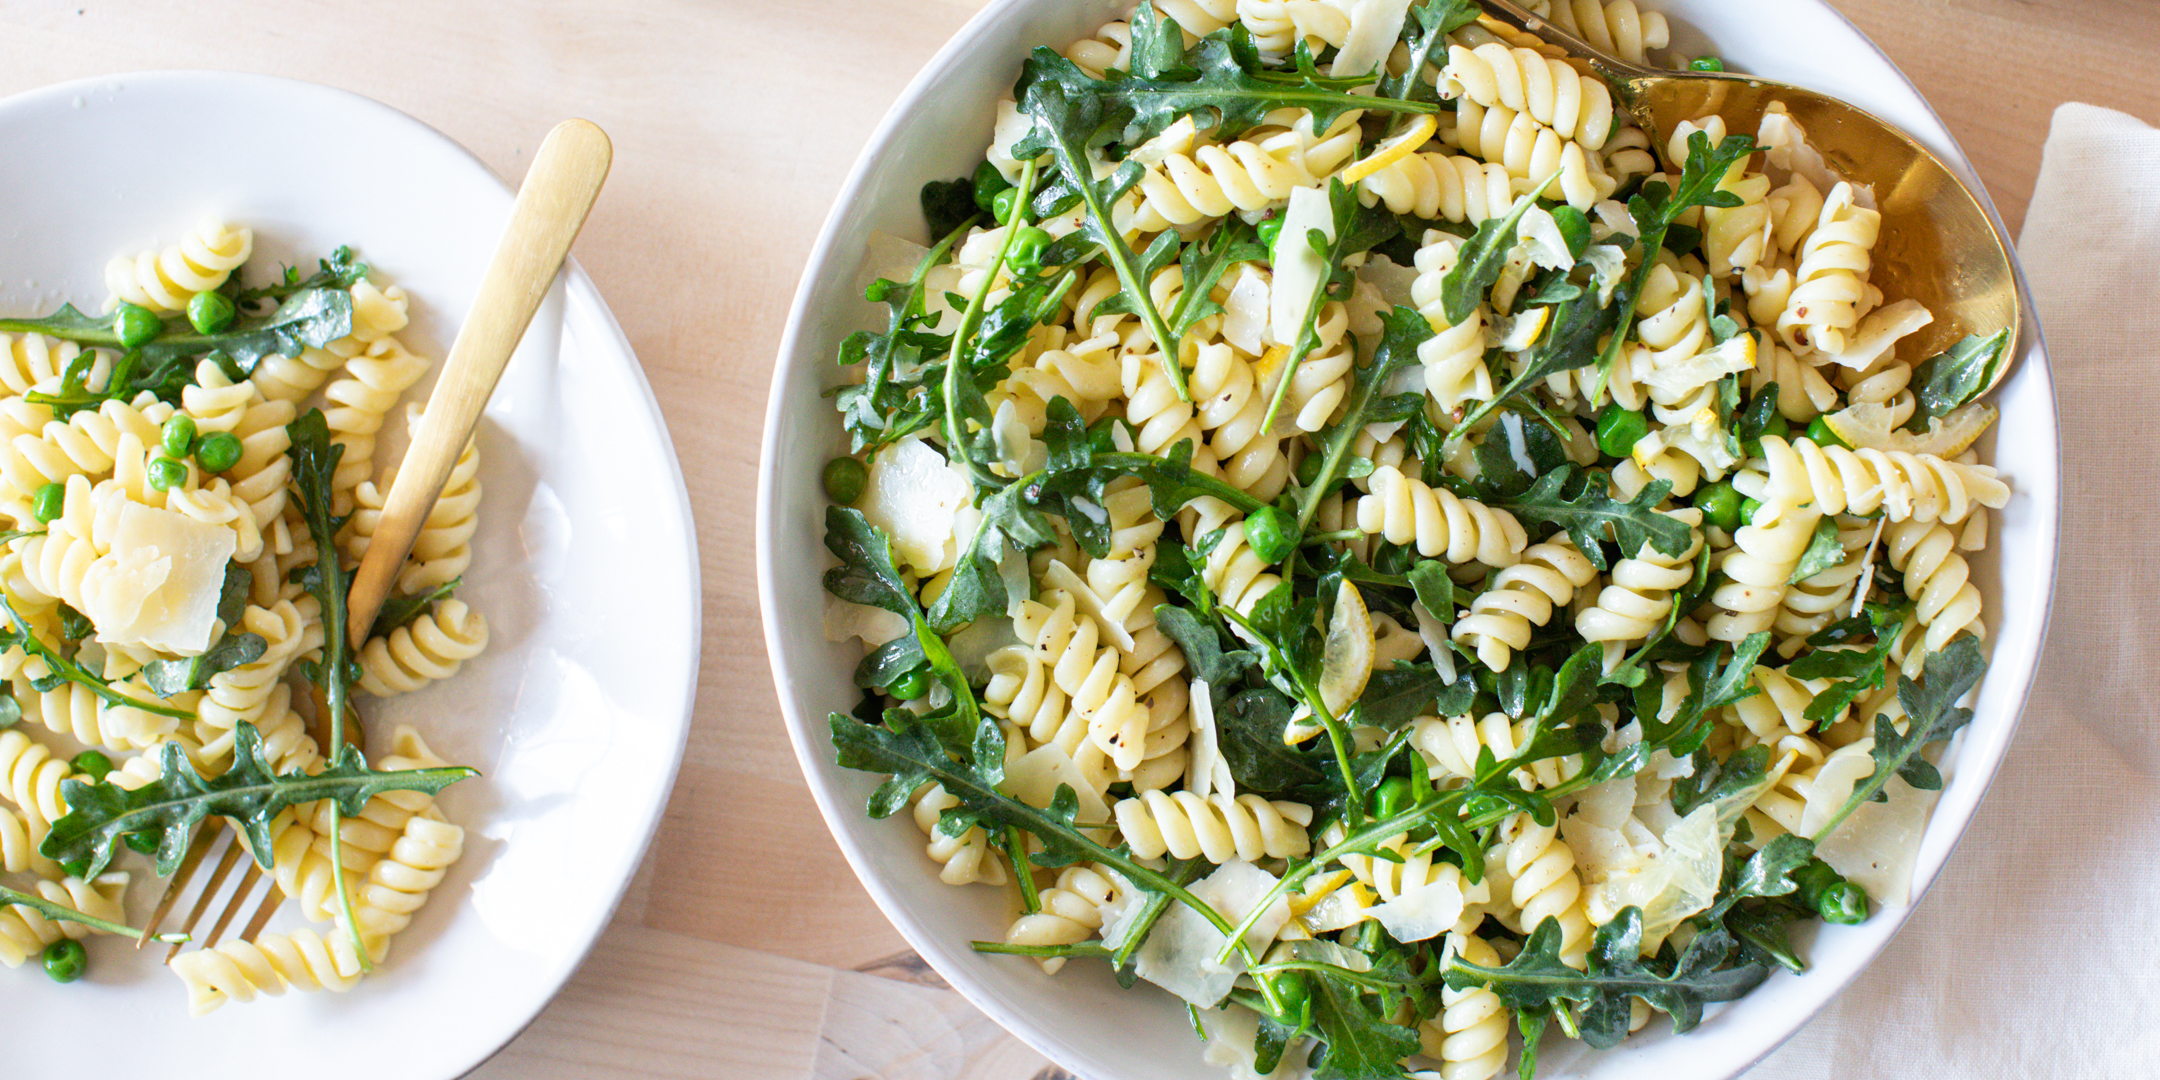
[{"x": 734, "y": 122}]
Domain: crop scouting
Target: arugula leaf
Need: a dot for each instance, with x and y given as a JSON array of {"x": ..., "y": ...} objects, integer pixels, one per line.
[
  {"x": 1395, "y": 696},
  {"x": 1955, "y": 377},
  {"x": 1204, "y": 264},
  {"x": 1504, "y": 450},
  {"x": 102, "y": 814},
  {"x": 1537, "y": 982},
  {"x": 402, "y": 610},
  {"x": 342, "y": 270},
  {"x": 1480, "y": 261},
  {"x": 899, "y": 392},
  {"x": 948, "y": 204},
  {"x": 1249, "y": 728},
  {"x": 1570, "y": 342},
  {"x": 1357, "y": 228},
  {"x": 1218, "y": 83},
  {"x": 18, "y": 635},
  {"x": 308, "y": 318},
  {"x": 1655, "y": 208},
  {"x": 1404, "y": 331},
  {"x": 169, "y": 677},
  {"x": 1430, "y": 581},
  {"x": 866, "y": 575},
  {"x": 1353, "y": 1013},
  {"x": 1202, "y": 645},
  {"x": 1823, "y": 551},
  {"x": 1067, "y": 125},
  {"x": 1709, "y": 687},
  {"x": 63, "y": 913},
  {"x": 1766, "y": 873},
  {"x": 1931, "y": 715},
  {"x": 1715, "y": 780},
  {"x": 1425, "y": 37},
  {"x": 1575, "y": 499}
]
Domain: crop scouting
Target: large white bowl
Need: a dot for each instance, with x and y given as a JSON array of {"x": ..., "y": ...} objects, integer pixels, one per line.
[
  {"x": 1081, "y": 1018},
  {"x": 584, "y": 564}
]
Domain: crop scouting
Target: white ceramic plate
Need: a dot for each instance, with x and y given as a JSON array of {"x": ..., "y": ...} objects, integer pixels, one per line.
[
  {"x": 585, "y": 566},
  {"x": 938, "y": 129}
]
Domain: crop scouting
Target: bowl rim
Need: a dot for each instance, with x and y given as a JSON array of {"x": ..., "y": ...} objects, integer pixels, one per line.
[{"x": 1976, "y": 775}]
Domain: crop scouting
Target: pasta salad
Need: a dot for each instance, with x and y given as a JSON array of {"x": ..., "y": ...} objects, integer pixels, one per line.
[
  {"x": 1349, "y": 529},
  {"x": 186, "y": 482}
]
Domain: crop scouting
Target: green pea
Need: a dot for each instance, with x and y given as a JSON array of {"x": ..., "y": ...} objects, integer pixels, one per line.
[
  {"x": 1706, "y": 63},
  {"x": 51, "y": 502},
  {"x": 1747, "y": 510},
  {"x": 845, "y": 479},
  {"x": 1392, "y": 797},
  {"x": 1272, "y": 534},
  {"x": 210, "y": 313},
  {"x": 1720, "y": 505},
  {"x": 66, "y": 960},
  {"x": 92, "y": 764},
  {"x": 179, "y": 435},
  {"x": 167, "y": 474},
  {"x": 910, "y": 686},
  {"x": 1619, "y": 429},
  {"x": 218, "y": 451},
  {"x": 1027, "y": 249},
  {"x": 1003, "y": 204},
  {"x": 144, "y": 842},
  {"x": 1819, "y": 433},
  {"x": 136, "y": 325},
  {"x": 1269, "y": 230},
  {"x": 988, "y": 182},
  {"x": 1844, "y": 903},
  {"x": 1293, "y": 992}
]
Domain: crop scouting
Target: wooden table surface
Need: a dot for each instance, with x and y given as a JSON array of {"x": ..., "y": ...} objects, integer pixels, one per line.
[{"x": 745, "y": 948}]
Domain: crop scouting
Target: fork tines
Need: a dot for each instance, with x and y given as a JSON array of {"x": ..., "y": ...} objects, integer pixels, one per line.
[{"x": 234, "y": 852}]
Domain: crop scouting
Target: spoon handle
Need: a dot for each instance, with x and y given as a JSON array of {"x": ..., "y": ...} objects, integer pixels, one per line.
[{"x": 551, "y": 207}]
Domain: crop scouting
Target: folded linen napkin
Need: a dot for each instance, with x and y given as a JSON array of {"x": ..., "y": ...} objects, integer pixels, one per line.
[{"x": 2037, "y": 953}]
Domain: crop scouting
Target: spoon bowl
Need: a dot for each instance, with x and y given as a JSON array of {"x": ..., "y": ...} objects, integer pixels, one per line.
[{"x": 1938, "y": 245}]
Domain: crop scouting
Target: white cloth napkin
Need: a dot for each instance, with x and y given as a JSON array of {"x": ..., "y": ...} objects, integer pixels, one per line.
[{"x": 2037, "y": 953}]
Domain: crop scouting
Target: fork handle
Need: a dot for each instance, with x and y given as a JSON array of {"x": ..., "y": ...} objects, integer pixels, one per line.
[{"x": 551, "y": 207}]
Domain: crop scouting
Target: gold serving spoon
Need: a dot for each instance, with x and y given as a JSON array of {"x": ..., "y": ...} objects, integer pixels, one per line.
[
  {"x": 1938, "y": 245},
  {"x": 551, "y": 206}
]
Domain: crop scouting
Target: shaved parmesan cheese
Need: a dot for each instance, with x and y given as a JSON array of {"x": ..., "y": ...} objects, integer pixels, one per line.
[
  {"x": 1374, "y": 27},
  {"x": 1608, "y": 267},
  {"x": 1538, "y": 240},
  {"x": 1426, "y": 911},
  {"x": 1435, "y": 632},
  {"x": 1681, "y": 377},
  {"x": 1298, "y": 268},
  {"x": 1179, "y": 954},
  {"x": 1875, "y": 848},
  {"x": 1245, "y": 312},
  {"x": 1035, "y": 778},
  {"x": 159, "y": 585},
  {"x": 1232, "y": 1038},
  {"x": 972, "y": 645},
  {"x": 874, "y": 625},
  {"x": 915, "y": 500},
  {"x": 1880, "y": 332},
  {"x": 1209, "y": 772},
  {"x": 1681, "y": 881},
  {"x": 1834, "y": 781}
]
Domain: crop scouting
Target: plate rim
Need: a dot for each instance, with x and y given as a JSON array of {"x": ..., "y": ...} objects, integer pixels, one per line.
[{"x": 583, "y": 306}]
